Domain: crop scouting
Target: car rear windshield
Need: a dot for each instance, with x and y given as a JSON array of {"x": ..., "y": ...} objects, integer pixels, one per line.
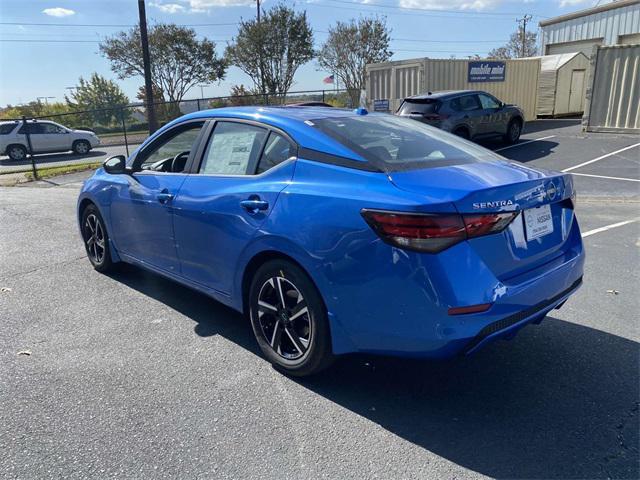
[
  {"x": 394, "y": 143},
  {"x": 7, "y": 128},
  {"x": 420, "y": 106}
]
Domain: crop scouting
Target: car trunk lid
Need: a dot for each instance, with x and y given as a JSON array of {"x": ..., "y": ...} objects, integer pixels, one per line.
[{"x": 542, "y": 198}]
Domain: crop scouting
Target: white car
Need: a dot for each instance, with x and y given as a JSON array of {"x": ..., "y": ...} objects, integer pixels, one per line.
[{"x": 46, "y": 137}]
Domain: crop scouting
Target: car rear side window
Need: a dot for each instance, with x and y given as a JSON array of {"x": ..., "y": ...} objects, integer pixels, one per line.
[
  {"x": 420, "y": 106},
  {"x": 277, "y": 150},
  {"x": 233, "y": 148},
  {"x": 394, "y": 143},
  {"x": 466, "y": 103},
  {"x": 7, "y": 128}
]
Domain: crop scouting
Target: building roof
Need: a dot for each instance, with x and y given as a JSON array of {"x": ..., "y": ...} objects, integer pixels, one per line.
[
  {"x": 440, "y": 94},
  {"x": 555, "y": 61},
  {"x": 589, "y": 11}
]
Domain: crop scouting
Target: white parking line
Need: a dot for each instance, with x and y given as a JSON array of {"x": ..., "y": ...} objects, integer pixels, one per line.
[
  {"x": 604, "y": 176},
  {"x": 608, "y": 227},
  {"x": 602, "y": 157},
  {"x": 524, "y": 143}
]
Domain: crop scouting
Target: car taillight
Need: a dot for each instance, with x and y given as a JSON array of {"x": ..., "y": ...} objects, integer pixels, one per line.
[
  {"x": 433, "y": 233},
  {"x": 487, "y": 223}
]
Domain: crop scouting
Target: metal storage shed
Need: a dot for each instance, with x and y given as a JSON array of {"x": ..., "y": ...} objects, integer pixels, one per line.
[{"x": 562, "y": 84}]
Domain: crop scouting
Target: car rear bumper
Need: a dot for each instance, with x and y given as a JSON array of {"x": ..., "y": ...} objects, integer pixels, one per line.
[{"x": 403, "y": 310}]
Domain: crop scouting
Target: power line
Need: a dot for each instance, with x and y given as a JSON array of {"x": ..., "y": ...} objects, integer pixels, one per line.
[
  {"x": 450, "y": 14},
  {"x": 109, "y": 25},
  {"x": 420, "y": 9}
]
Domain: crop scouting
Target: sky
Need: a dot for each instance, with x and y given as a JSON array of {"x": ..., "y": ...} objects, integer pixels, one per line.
[{"x": 39, "y": 59}]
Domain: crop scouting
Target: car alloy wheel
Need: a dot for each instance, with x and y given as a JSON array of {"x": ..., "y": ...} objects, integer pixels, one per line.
[
  {"x": 514, "y": 132},
  {"x": 81, "y": 148},
  {"x": 17, "y": 153},
  {"x": 284, "y": 319},
  {"x": 94, "y": 239}
]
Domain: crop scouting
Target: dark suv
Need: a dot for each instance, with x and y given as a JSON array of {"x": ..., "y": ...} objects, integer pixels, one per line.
[{"x": 470, "y": 114}]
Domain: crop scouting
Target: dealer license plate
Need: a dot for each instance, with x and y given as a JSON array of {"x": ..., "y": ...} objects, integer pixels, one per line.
[{"x": 538, "y": 222}]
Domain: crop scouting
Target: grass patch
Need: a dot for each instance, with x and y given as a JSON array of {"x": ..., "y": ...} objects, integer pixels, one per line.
[{"x": 61, "y": 170}]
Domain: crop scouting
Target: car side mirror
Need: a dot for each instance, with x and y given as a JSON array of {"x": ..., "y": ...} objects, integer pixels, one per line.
[{"x": 115, "y": 165}]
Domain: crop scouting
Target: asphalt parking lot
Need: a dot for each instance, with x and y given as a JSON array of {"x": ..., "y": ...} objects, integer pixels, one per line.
[{"x": 133, "y": 376}]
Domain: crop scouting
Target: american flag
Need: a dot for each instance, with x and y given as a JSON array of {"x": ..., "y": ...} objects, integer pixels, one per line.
[{"x": 328, "y": 79}]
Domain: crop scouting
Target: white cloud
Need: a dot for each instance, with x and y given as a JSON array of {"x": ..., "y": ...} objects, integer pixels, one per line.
[
  {"x": 450, "y": 4},
  {"x": 573, "y": 3},
  {"x": 168, "y": 7},
  {"x": 58, "y": 12},
  {"x": 202, "y": 5}
]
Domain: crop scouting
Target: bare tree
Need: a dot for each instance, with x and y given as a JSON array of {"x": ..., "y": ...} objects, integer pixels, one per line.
[
  {"x": 272, "y": 49},
  {"x": 513, "y": 48},
  {"x": 350, "y": 47}
]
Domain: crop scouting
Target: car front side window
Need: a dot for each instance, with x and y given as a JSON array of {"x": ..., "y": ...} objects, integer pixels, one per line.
[
  {"x": 488, "y": 102},
  {"x": 173, "y": 145}
]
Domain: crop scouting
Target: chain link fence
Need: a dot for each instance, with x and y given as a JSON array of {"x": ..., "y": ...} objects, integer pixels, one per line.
[{"x": 127, "y": 126}]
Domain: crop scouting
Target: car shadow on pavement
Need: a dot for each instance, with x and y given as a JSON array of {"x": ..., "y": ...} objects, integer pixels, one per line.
[
  {"x": 525, "y": 153},
  {"x": 558, "y": 401},
  {"x": 52, "y": 158},
  {"x": 542, "y": 125}
]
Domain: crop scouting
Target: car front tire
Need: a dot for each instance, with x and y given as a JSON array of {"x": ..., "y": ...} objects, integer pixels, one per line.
[
  {"x": 289, "y": 319},
  {"x": 514, "y": 129},
  {"x": 81, "y": 147},
  {"x": 96, "y": 239},
  {"x": 16, "y": 152}
]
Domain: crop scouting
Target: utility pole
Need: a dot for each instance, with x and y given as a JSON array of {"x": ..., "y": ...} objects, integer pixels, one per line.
[
  {"x": 524, "y": 20},
  {"x": 258, "y": 6},
  {"x": 146, "y": 59}
]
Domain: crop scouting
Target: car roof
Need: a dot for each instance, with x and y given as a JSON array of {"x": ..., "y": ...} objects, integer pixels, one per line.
[
  {"x": 295, "y": 121},
  {"x": 442, "y": 94}
]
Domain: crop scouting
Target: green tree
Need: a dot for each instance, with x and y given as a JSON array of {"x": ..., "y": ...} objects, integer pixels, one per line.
[
  {"x": 513, "y": 48},
  {"x": 350, "y": 47},
  {"x": 179, "y": 61},
  {"x": 270, "y": 51},
  {"x": 243, "y": 96},
  {"x": 100, "y": 94},
  {"x": 36, "y": 109}
]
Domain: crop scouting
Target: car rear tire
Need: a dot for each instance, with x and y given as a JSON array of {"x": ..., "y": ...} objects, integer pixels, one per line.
[
  {"x": 16, "y": 152},
  {"x": 81, "y": 147},
  {"x": 514, "y": 129},
  {"x": 96, "y": 239},
  {"x": 462, "y": 133},
  {"x": 289, "y": 319}
]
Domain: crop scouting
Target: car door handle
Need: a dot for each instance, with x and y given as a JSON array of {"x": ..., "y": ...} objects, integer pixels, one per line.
[
  {"x": 164, "y": 197},
  {"x": 253, "y": 205}
]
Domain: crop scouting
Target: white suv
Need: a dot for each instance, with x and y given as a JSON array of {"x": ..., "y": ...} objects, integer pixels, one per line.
[{"x": 46, "y": 137}]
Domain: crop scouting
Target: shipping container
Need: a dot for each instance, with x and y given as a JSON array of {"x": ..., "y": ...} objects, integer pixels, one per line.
[
  {"x": 512, "y": 81},
  {"x": 562, "y": 84},
  {"x": 613, "y": 93}
]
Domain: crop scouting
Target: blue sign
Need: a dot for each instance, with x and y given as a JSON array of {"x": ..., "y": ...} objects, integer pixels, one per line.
[
  {"x": 485, "y": 71},
  {"x": 381, "y": 105}
]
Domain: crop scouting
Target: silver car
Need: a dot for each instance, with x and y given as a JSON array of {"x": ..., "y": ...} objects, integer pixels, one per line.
[
  {"x": 471, "y": 114},
  {"x": 45, "y": 136}
]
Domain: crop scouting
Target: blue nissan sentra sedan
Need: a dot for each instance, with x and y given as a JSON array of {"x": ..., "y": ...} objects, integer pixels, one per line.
[{"x": 339, "y": 231}]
